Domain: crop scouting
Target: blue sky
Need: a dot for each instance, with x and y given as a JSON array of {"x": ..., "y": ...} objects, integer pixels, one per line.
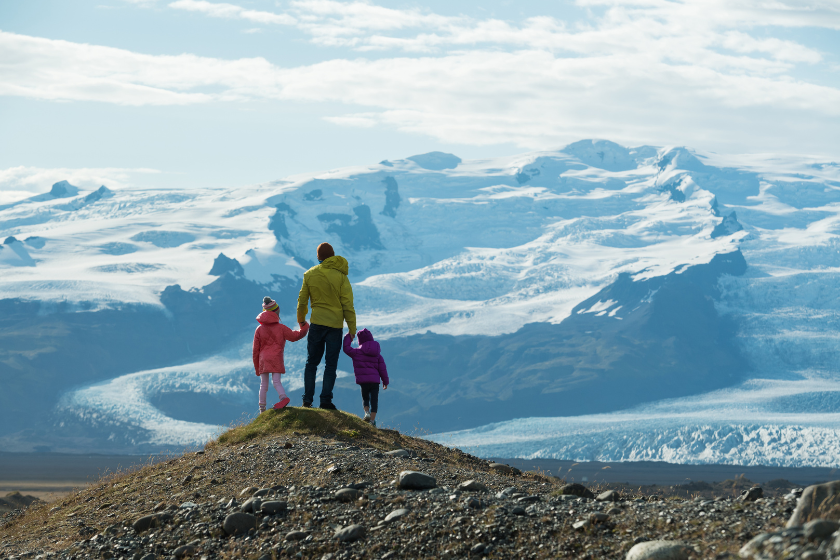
[{"x": 188, "y": 93}]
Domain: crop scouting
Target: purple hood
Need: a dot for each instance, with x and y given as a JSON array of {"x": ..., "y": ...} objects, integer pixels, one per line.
[{"x": 368, "y": 364}]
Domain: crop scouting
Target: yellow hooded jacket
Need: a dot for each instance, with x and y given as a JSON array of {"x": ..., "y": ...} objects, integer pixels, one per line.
[{"x": 332, "y": 296}]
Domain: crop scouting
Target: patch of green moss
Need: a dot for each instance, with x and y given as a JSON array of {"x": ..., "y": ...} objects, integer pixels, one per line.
[{"x": 308, "y": 421}]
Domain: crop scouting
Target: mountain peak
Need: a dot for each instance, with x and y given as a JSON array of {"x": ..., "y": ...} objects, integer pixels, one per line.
[{"x": 63, "y": 189}]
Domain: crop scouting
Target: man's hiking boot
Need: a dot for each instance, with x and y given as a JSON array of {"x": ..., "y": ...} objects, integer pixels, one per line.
[
  {"x": 307, "y": 404},
  {"x": 328, "y": 406}
]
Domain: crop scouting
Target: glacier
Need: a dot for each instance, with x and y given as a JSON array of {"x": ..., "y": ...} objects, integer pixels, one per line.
[{"x": 450, "y": 251}]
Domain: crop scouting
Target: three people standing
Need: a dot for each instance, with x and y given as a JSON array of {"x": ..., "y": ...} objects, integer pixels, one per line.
[{"x": 328, "y": 290}]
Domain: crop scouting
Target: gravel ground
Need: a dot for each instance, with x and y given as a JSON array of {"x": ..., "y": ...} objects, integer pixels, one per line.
[{"x": 302, "y": 495}]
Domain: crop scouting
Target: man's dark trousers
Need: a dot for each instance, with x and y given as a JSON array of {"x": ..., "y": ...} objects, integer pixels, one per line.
[{"x": 319, "y": 339}]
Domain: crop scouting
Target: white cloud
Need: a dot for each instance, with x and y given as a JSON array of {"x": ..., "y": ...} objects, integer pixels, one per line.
[
  {"x": 652, "y": 71},
  {"x": 222, "y": 10}
]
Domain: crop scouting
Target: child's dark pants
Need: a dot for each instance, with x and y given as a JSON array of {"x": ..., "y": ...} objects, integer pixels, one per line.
[{"x": 370, "y": 395}]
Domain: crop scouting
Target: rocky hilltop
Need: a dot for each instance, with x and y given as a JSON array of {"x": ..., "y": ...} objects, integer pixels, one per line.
[{"x": 309, "y": 483}]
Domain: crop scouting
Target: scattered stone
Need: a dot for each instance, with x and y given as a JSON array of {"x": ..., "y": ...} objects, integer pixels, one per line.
[
  {"x": 149, "y": 521},
  {"x": 518, "y": 511},
  {"x": 578, "y": 490},
  {"x": 348, "y": 495},
  {"x": 528, "y": 499},
  {"x": 815, "y": 503},
  {"x": 472, "y": 486},
  {"x": 295, "y": 536},
  {"x": 614, "y": 511},
  {"x": 248, "y": 491},
  {"x": 288, "y": 445},
  {"x": 477, "y": 549},
  {"x": 504, "y": 469},
  {"x": 350, "y": 534},
  {"x": 185, "y": 550},
  {"x": 396, "y": 515},
  {"x": 598, "y": 517},
  {"x": 237, "y": 523},
  {"x": 231, "y": 504},
  {"x": 397, "y": 453},
  {"x": 608, "y": 496},
  {"x": 149, "y": 556},
  {"x": 262, "y": 492},
  {"x": 413, "y": 480},
  {"x": 659, "y": 550},
  {"x": 273, "y": 507},
  {"x": 581, "y": 525},
  {"x": 187, "y": 480},
  {"x": 188, "y": 505},
  {"x": 751, "y": 495},
  {"x": 472, "y": 503}
]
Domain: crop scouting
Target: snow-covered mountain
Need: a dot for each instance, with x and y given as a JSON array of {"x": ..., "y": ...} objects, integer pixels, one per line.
[{"x": 595, "y": 302}]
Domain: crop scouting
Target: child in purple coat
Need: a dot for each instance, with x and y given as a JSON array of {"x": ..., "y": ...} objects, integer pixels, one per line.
[{"x": 369, "y": 367}]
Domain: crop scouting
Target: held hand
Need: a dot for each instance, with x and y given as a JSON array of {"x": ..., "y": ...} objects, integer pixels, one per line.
[
  {"x": 384, "y": 387},
  {"x": 302, "y": 325}
]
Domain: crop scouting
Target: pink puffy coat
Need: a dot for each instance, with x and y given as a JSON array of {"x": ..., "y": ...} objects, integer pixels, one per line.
[{"x": 270, "y": 341}]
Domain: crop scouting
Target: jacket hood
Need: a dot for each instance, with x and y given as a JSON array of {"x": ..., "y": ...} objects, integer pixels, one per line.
[
  {"x": 365, "y": 336},
  {"x": 337, "y": 263},
  {"x": 371, "y": 348},
  {"x": 268, "y": 317}
]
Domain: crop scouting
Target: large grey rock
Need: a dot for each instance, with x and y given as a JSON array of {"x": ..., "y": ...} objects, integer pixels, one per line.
[
  {"x": 503, "y": 469},
  {"x": 295, "y": 536},
  {"x": 398, "y": 453},
  {"x": 350, "y": 534},
  {"x": 608, "y": 496},
  {"x": 149, "y": 521},
  {"x": 348, "y": 495},
  {"x": 820, "y": 529},
  {"x": 273, "y": 507},
  {"x": 578, "y": 490},
  {"x": 262, "y": 492},
  {"x": 413, "y": 480},
  {"x": 659, "y": 550},
  {"x": 237, "y": 523},
  {"x": 751, "y": 495},
  {"x": 396, "y": 514},
  {"x": 252, "y": 505},
  {"x": 817, "y": 502},
  {"x": 472, "y": 486}
]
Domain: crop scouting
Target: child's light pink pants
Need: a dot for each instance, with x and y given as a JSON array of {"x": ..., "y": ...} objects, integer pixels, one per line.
[{"x": 275, "y": 378}]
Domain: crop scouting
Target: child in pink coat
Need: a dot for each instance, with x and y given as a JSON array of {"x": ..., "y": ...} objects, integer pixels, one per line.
[{"x": 269, "y": 343}]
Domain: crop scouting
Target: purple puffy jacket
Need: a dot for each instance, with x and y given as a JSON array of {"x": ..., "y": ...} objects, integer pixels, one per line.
[{"x": 368, "y": 364}]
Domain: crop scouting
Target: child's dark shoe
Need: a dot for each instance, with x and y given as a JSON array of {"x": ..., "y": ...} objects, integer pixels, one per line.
[
  {"x": 307, "y": 404},
  {"x": 366, "y": 418},
  {"x": 373, "y": 423}
]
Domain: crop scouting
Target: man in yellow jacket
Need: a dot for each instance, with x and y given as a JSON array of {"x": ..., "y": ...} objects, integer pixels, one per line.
[{"x": 332, "y": 304}]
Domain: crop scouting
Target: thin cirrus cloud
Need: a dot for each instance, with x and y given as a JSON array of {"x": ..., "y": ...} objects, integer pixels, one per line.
[{"x": 646, "y": 71}]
